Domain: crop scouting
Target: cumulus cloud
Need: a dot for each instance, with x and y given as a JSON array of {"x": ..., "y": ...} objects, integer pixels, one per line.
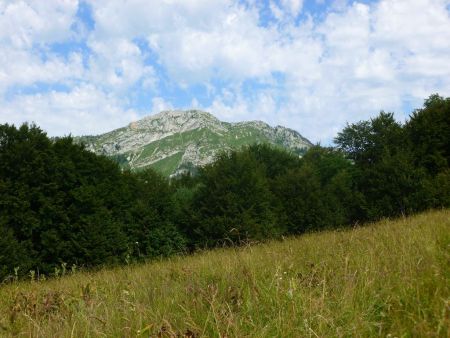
[
  {"x": 26, "y": 28},
  {"x": 285, "y": 8},
  {"x": 159, "y": 105},
  {"x": 309, "y": 72},
  {"x": 79, "y": 111},
  {"x": 117, "y": 64},
  {"x": 26, "y": 23},
  {"x": 19, "y": 67}
]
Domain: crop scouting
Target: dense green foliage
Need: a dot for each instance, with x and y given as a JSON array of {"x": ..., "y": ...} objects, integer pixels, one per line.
[
  {"x": 61, "y": 205},
  {"x": 400, "y": 169}
]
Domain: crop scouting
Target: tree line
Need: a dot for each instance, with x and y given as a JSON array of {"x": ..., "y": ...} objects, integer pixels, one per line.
[{"x": 63, "y": 205}]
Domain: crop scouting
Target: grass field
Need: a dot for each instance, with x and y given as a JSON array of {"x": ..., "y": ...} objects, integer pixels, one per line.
[{"x": 391, "y": 278}]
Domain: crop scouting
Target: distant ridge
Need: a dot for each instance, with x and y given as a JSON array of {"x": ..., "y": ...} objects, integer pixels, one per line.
[{"x": 177, "y": 141}]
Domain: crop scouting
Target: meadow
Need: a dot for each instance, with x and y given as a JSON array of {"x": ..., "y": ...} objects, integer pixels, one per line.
[{"x": 390, "y": 278}]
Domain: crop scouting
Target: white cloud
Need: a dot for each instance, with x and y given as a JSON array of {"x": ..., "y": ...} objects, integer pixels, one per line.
[
  {"x": 117, "y": 64},
  {"x": 141, "y": 17},
  {"x": 25, "y": 30},
  {"x": 159, "y": 105},
  {"x": 21, "y": 67},
  {"x": 285, "y": 10},
  {"x": 276, "y": 10},
  {"x": 292, "y": 6},
  {"x": 232, "y": 46},
  {"x": 231, "y": 111},
  {"x": 344, "y": 65},
  {"x": 352, "y": 65},
  {"x": 34, "y": 22},
  {"x": 82, "y": 111}
]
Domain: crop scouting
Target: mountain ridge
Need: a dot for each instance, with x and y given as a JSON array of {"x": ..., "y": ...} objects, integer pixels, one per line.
[{"x": 176, "y": 141}]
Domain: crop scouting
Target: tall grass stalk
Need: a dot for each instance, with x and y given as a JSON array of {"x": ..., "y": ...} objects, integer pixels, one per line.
[{"x": 389, "y": 278}]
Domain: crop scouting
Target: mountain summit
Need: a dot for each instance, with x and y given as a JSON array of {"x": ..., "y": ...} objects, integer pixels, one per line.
[{"x": 177, "y": 141}]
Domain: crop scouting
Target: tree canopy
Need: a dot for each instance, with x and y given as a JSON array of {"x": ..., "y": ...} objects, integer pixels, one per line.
[{"x": 63, "y": 205}]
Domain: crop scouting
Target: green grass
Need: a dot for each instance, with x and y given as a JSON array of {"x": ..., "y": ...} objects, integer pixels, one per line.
[
  {"x": 391, "y": 278},
  {"x": 167, "y": 165}
]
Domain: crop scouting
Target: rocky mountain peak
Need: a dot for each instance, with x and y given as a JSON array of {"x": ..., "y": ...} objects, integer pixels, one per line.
[{"x": 174, "y": 140}]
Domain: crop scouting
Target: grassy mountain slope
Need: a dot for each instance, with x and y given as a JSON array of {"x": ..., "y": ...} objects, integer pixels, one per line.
[
  {"x": 174, "y": 141},
  {"x": 388, "y": 278}
]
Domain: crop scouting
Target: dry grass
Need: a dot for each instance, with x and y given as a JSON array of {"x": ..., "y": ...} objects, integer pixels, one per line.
[{"x": 387, "y": 279}]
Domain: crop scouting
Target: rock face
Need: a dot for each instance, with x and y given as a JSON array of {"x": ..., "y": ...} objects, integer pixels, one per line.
[{"x": 174, "y": 142}]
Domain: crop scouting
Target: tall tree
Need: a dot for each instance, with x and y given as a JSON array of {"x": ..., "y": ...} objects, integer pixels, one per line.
[
  {"x": 234, "y": 202},
  {"x": 385, "y": 172},
  {"x": 429, "y": 131}
]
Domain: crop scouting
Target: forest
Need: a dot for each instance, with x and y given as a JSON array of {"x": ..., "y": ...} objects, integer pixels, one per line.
[{"x": 63, "y": 207}]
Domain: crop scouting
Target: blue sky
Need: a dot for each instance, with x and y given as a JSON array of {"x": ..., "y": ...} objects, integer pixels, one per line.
[{"x": 87, "y": 67}]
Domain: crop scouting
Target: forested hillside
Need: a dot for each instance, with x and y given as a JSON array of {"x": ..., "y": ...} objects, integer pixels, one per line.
[{"x": 63, "y": 207}]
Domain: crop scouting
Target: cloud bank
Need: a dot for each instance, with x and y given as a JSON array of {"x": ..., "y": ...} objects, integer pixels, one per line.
[{"x": 91, "y": 66}]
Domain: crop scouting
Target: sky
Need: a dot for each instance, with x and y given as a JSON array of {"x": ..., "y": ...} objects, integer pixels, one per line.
[{"x": 87, "y": 67}]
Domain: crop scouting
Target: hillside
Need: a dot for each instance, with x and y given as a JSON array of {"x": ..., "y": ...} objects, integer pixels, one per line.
[
  {"x": 385, "y": 279},
  {"x": 176, "y": 141}
]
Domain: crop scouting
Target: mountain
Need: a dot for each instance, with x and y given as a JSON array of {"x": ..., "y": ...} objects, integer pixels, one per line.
[{"x": 177, "y": 141}]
